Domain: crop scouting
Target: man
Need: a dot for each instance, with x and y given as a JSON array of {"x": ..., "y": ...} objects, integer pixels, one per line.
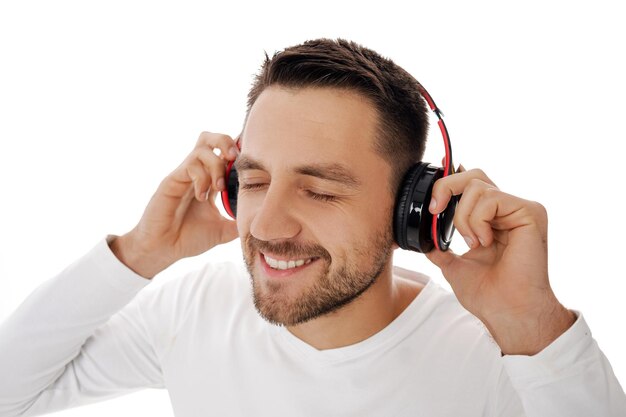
[{"x": 330, "y": 327}]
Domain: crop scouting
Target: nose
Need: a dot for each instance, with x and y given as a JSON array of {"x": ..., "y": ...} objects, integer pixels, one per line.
[{"x": 274, "y": 218}]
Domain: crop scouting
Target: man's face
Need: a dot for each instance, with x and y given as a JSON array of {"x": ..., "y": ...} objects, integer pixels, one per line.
[{"x": 314, "y": 209}]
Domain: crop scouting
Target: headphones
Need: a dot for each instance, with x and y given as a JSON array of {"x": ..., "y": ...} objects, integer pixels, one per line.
[{"x": 414, "y": 227}]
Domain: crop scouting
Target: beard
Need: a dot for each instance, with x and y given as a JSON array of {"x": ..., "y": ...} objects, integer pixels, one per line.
[{"x": 341, "y": 281}]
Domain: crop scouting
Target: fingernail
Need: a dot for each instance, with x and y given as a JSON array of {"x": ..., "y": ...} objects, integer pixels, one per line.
[
  {"x": 233, "y": 152},
  {"x": 469, "y": 241},
  {"x": 433, "y": 205},
  {"x": 206, "y": 195},
  {"x": 482, "y": 242},
  {"x": 220, "y": 184}
]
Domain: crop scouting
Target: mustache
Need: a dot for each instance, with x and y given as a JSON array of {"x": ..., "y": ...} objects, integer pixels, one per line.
[{"x": 287, "y": 248}]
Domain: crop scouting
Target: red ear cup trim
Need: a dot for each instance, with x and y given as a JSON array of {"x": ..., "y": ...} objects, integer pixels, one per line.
[
  {"x": 231, "y": 187},
  {"x": 443, "y": 226},
  {"x": 433, "y": 232},
  {"x": 224, "y": 193}
]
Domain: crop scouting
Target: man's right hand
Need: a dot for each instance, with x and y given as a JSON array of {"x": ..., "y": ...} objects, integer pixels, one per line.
[{"x": 181, "y": 220}]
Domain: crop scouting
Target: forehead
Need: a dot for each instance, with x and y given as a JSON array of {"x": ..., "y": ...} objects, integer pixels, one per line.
[{"x": 311, "y": 125}]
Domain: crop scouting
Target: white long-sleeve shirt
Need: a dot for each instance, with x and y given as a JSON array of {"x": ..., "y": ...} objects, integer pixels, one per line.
[{"x": 93, "y": 333}]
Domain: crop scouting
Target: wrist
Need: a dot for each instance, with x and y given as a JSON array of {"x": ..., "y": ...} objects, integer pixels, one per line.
[
  {"x": 530, "y": 333},
  {"x": 138, "y": 260}
]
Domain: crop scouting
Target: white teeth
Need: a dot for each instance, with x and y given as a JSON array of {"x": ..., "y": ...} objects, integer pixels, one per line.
[
  {"x": 276, "y": 264},
  {"x": 271, "y": 262}
]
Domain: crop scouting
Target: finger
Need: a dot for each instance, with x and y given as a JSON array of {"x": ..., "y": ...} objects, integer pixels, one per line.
[
  {"x": 461, "y": 168},
  {"x": 200, "y": 179},
  {"x": 226, "y": 145},
  {"x": 450, "y": 185},
  {"x": 448, "y": 262},
  {"x": 513, "y": 212},
  {"x": 497, "y": 211},
  {"x": 213, "y": 165},
  {"x": 471, "y": 195},
  {"x": 484, "y": 211},
  {"x": 228, "y": 231}
]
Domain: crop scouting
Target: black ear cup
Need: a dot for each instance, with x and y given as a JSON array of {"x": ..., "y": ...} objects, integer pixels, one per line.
[
  {"x": 413, "y": 222},
  {"x": 405, "y": 205},
  {"x": 229, "y": 195}
]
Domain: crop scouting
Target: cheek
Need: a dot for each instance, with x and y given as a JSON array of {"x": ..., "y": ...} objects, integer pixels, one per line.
[
  {"x": 370, "y": 223},
  {"x": 243, "y": 217},
  {"x": 343, "y": 232}
]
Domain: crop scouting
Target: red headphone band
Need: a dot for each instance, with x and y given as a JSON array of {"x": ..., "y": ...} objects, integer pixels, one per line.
[{"x": 448, "y": 168}]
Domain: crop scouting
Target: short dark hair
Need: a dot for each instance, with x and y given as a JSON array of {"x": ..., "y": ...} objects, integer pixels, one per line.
[{"x": 326, "y": 63}]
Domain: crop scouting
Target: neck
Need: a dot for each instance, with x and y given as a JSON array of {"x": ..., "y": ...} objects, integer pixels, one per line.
[{"x": 371, "y": 312}]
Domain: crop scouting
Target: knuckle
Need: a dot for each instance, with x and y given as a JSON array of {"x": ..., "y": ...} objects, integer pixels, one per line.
[
  {"x": 476, "y": 183},
  {"x": 540, "y": 209},
  {"x": 199, "y": 152},
  {"x": 479, "y": 172},
  {"x": 217, "y": 142},
  {"x": 223, "y": 139},
  {"x": 198, "y": 155},
  {"x": 491, "y": 192},
  {"x": 203, "y": 136},
  {"x": 482, "y": 176}
]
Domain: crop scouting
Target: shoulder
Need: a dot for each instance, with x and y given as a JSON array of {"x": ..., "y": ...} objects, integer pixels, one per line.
[
  {"x": 445, "y": 319},
  {"x": 210, "y": 290},
  {"x": 224, "y": 278},
  {"x": 197, "y": 304}
]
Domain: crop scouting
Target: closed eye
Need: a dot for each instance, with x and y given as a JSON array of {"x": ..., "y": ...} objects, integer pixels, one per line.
[
  {"x": 251, "y": 186},
  {"x": 321, "y": 197},
  {"x": 311, "y": 194}
]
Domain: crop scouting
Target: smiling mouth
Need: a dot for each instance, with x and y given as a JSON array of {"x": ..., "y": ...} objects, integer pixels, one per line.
[{"x": 286, "y": 264}]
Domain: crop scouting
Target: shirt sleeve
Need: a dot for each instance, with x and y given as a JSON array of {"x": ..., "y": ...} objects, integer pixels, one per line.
[
  {"x": 77, "y": 339},
  {"x": 571, "y": 377}
]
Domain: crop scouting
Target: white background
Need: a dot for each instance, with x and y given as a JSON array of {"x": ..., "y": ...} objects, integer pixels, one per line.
[{"x": 100, "y": 101}]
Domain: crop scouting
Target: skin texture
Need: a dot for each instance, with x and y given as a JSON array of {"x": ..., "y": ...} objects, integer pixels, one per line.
[
  {"x": 288, "y": 131},
  {"x": 348, "y": 293}
]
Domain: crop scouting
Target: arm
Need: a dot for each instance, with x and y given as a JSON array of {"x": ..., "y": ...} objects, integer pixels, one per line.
[
  {"x": 65, "y": 346},
  {"x": 53, "y": 358},
  {"x": 554, "y": 364},
  {"x": 571, "y": 377}
]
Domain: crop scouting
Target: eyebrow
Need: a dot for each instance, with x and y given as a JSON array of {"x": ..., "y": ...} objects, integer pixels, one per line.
[{"x": 326, "y": 171}]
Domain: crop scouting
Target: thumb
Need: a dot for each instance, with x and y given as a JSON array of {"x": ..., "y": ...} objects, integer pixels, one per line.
[
  {"x": 228, "y": 230},
  {"x": 447, "y": 261}
]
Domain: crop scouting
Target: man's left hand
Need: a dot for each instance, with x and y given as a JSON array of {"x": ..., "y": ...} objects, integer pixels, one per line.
[{"x": 503, "y": 278}]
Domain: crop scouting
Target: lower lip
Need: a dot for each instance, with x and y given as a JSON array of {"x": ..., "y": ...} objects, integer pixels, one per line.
[{"x": 283, "y": 273}]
